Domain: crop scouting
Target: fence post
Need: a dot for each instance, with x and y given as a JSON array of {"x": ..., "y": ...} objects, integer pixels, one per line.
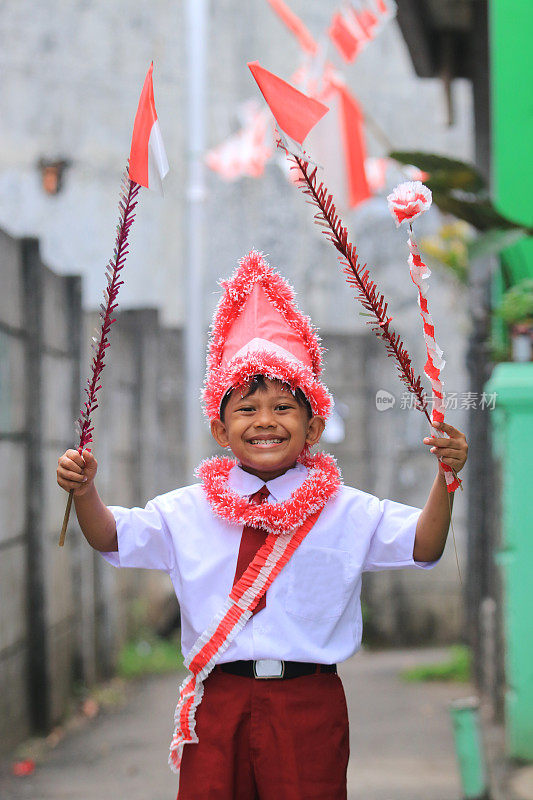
[{"x": 38, "y": 678}]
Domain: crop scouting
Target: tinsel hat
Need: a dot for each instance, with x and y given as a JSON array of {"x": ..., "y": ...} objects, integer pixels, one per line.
[{"x": 258, "y": 329}]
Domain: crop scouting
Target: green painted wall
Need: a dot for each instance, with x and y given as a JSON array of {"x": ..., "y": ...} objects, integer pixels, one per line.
[
  {"x": 511, "y": 57},
  {"x": 513, "y": 437}
]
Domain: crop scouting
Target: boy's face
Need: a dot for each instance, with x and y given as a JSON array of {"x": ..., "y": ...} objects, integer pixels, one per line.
[{"x": 266, "y": 430}]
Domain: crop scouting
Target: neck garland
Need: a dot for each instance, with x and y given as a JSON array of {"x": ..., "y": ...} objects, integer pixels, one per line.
[{"x": 319, "y": 486}]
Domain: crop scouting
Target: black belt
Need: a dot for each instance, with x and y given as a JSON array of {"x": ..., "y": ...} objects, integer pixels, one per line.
[{"x": 268, "y": 669}]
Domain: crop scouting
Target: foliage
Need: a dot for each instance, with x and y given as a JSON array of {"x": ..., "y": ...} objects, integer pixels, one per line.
[
  {"x": 445, "y": 173},
  {"x": 149, "y": 655},
  {"x": 456, "y": 668},
  {"x": 450, "y": 247},
  {"x": 517, "y": 303}
]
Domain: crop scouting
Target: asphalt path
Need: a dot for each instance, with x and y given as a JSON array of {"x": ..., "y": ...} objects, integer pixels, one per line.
[{"x": 400, "y": 740}]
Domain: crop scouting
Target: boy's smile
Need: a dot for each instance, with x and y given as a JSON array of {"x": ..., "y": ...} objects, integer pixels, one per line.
[{"x": 266, "y": 430}]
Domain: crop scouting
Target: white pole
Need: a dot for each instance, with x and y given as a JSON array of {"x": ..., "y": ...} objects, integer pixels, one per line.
[{"x": 196, "y": 30}]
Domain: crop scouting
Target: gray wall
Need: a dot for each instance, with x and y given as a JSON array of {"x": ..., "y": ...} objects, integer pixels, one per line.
[
  {"x": 63, "y": 612},
  {"x": 79, "y": 105},
  {"x": 39, "y": 385}
]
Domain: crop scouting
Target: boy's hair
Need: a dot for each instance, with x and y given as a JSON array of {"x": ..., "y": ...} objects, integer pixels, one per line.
[{"x": 258, "y": 382}]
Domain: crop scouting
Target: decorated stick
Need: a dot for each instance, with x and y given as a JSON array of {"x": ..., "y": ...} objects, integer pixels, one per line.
[
  {"x": 359, "y": 277},
  {"x": 147, "y": 167},
  {"x": 100, "y": 340},
  {"x": 283, "y": 100},
  {"x": 408, "y": 201}
]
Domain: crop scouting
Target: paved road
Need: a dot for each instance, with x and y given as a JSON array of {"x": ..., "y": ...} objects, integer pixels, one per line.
[{"x": 401, "y": 741}]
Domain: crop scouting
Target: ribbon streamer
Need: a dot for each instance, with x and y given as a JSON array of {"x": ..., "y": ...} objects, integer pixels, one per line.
[{"x": 408, "y": 201}]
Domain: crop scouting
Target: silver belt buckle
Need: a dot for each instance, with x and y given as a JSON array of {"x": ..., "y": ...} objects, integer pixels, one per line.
[{"x": 267, "y": 668}]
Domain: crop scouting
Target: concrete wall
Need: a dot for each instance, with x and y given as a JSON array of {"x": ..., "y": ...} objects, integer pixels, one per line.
[
  {"x": 63, "y": 612},
  {"x": 79, "y": 106},
  {"x": 39, "y": 386}
]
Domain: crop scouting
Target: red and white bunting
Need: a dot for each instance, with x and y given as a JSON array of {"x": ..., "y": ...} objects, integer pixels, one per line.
[
  {"x": 357, "y": 24},
  {"x": 376, "y": 173},
  {"x": 246, "y": 152},
  {"x": 338, "y": 141}
]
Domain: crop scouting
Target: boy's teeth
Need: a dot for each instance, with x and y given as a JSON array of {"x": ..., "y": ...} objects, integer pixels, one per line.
[{"x": 266, "y": 441}]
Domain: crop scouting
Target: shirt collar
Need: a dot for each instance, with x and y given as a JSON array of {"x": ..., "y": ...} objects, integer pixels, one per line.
[{"x": 245, "y": 484}]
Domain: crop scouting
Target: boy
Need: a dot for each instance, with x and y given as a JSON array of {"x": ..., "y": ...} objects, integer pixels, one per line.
[{"x": 265, "y": 556}]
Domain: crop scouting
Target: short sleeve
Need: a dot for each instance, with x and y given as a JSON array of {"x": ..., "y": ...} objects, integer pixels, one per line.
[
  {"x": 393, "y": 539},
  {"x": 144, "y": 540}
]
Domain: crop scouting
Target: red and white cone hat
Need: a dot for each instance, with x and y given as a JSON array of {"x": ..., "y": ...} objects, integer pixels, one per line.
[{"x": 257, "y": 329}]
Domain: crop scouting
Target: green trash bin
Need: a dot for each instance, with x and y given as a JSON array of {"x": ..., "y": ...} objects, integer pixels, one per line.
[{"x": 469, "y": 748}]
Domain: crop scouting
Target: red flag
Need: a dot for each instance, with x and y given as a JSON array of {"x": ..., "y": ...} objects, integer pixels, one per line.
[
  {"x": 295, "y": 112},
  {"x": 148, "y": 160},
  {"x": 347, "y": 37},
  {"x": 354, "y": 147},
  {"x": 295, "y": 25}
]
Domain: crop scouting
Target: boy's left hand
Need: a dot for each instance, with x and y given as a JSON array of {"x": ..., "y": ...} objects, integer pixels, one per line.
[{"x": 452, "y": 451}]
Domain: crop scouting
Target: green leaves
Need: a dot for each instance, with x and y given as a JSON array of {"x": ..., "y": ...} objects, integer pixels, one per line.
[{"x": 445, "y": 173}]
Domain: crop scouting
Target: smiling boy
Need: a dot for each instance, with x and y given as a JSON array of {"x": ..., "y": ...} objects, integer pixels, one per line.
[{"x": 266, "y": 556}]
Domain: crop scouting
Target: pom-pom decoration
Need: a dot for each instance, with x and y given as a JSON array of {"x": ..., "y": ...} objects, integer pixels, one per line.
[{"x": 408, "y": 201}]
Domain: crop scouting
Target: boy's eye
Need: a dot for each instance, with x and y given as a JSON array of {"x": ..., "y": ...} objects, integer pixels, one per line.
[{"x": 284, "y": 407}]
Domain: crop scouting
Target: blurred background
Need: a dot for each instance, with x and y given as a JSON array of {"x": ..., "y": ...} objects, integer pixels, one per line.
[{"x": 418, "y": 90}]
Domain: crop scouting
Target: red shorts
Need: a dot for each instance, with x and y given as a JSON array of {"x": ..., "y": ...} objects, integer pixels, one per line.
[{"x": 268, "y": 740}]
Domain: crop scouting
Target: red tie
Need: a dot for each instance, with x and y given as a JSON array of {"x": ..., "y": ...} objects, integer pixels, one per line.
[{"x": 251, "y": 541}]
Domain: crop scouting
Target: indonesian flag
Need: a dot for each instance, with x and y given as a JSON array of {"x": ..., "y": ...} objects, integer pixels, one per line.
[
  {"x": 148, "y": 160},
  {"x": 295, "y": 113}
]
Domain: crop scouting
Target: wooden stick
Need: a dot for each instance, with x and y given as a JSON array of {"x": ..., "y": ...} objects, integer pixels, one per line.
[{"x": 65, "y": 518}]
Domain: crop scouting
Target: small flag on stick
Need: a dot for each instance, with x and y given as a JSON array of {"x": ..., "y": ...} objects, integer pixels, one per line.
[
  {"x": 295, "y": 113},
  {"x": 148, "y": 166},
  {"x": 148, "y": 159}
]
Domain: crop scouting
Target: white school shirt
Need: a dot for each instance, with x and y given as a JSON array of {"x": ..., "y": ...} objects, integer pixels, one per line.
[{"x": 313, "y": 610}]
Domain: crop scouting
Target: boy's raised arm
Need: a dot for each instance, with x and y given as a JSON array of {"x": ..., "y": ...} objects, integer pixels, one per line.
[
  {"x": 96, "y": 520},
  {"x": 434, "y": 521}
]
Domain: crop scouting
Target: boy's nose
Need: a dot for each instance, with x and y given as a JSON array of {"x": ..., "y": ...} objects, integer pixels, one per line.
[{"x": 264, "y": 419}]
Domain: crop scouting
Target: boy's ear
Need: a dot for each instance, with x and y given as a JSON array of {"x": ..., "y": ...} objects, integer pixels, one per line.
[
  {"x": 219, "y": 433},
  {"x": 315, "y": 430}
]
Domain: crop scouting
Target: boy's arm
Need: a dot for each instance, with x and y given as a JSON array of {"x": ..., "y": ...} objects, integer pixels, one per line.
[
  {"x": 96, "y": 520},
  {"x": 434, "y": 521}
]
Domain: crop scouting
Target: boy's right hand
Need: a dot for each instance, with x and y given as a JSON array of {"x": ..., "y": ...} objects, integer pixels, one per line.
[{"x": 76, "y": 472}]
